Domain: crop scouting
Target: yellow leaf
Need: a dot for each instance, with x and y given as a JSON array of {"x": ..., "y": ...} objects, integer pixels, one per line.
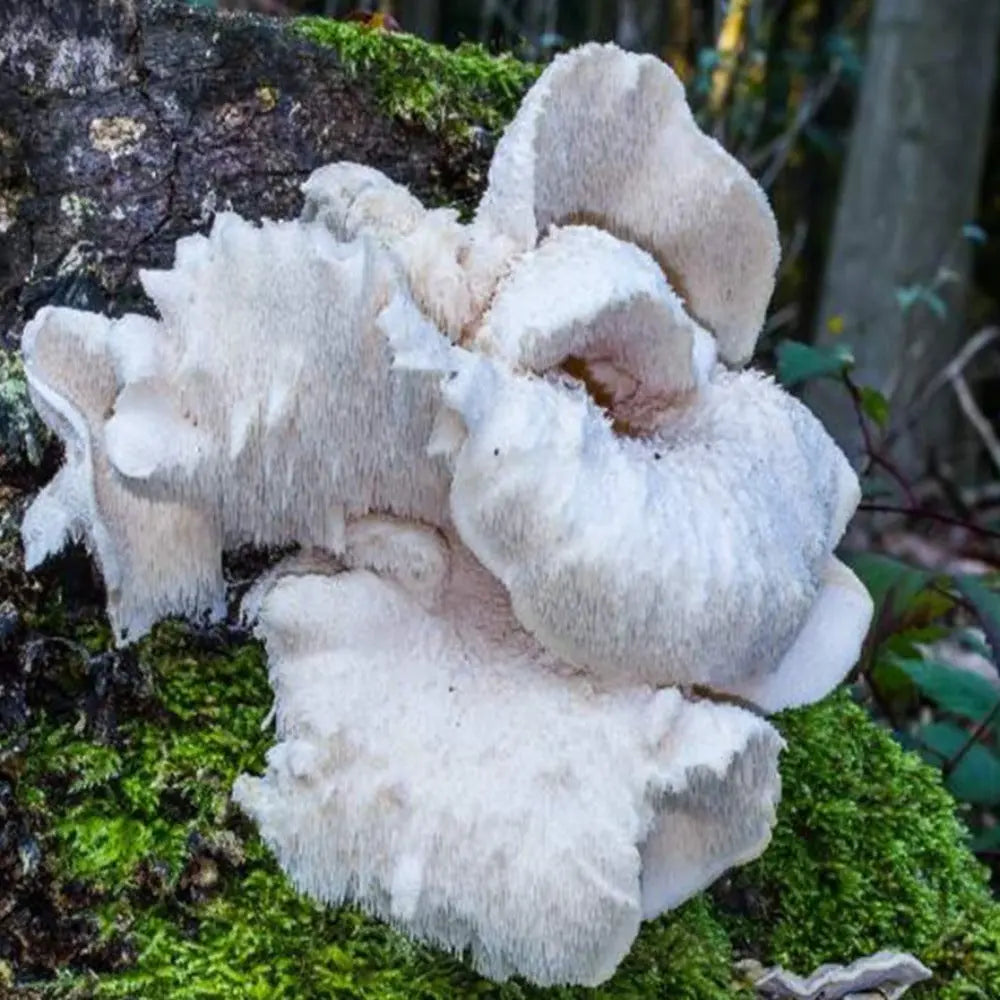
[{"x": 728, "y": 46}]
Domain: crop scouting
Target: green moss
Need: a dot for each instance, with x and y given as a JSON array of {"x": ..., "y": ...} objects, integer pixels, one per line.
[
  {"x": 443, "y": 89},
  {"x": 867, "y": 855},
  {"x": 260, "y": 940},
  {"x": 22, "y": 434},
  {"x": 169, "y": 772}
]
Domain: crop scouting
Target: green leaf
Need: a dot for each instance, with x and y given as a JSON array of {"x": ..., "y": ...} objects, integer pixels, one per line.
[
  {"x": 974, "y": 233},
  {"x": 875, "y": 405},
  {"x": 960, "y": 692},
  {"x": 970, "y": 639},
  {"x": 893, "y": 683},
  {"x": 908, "y": 296},
  {"x": 986, "y": 603},
  {"x": 908, "y": 643},
  {"x": 976, "y": 778},
  {"x": 799, "y": 362},
  {"x": 987, "y": 842},
  {"x": 884, "y": 574}
]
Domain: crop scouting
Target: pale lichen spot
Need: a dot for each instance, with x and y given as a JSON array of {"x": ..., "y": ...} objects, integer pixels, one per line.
[
  {"x": 267, "y": 96},
  {"x": 116, "y": 136},
  {"x": 231, "y": 115},
  {"x": 208, "y": 206},
  {"x": 9, "y": 200},
  {"x": 80, "y": 257},
  {"x": 77, "y": 208}
]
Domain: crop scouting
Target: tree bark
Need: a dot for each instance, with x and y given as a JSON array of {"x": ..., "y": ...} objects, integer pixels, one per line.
[
  {"x": 125, "y": 125},
  {"x": 910, "y": 185},
  {"x": 638, "y": 25}
]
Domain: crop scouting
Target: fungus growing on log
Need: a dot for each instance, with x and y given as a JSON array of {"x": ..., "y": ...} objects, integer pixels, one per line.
[{"x": 535, "y": 508}]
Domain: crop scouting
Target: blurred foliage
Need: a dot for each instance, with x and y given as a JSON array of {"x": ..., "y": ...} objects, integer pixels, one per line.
[
  {"x": 946, "y": 712},
  {"x": 950, "y": 714}
]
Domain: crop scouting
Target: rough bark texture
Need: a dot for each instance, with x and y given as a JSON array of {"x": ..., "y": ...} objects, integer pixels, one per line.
[
  {"x": 911, "y": 183},
  {"x": 124, "y": 125}
]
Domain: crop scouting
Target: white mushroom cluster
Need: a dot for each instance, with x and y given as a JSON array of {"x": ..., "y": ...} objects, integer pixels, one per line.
[{"x": 544, "y": 518}]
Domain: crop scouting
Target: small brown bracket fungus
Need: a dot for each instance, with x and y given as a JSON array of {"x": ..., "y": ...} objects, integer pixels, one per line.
[{"x": 533, "y": 504}]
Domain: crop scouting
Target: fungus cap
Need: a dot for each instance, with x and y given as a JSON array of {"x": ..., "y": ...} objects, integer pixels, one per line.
[
  {"x": 699, "y": 553},
  {"x": 605, "y": 137}
]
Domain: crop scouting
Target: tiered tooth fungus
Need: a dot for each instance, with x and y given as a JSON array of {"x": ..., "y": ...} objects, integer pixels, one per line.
[{"x": 538, "y": 504}]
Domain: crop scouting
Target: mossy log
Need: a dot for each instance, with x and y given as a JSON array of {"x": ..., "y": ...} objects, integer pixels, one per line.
[
  {"x": 125, "y": 125},
  {"x": 124, "y": 870}
]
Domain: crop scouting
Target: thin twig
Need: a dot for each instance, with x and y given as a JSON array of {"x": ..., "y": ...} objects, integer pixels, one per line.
[
  {"x": 875, "y": 457},
  {"x": 785, "y": 316},
  {"x": 917, "y": 409},
  {"x": 778, "y": 151},
  {"x": 974, "y": 737},
  {"x": 957, "y": 365},
  {"x": 929, "y": 515},
  {"x": 977, "y": 418}
]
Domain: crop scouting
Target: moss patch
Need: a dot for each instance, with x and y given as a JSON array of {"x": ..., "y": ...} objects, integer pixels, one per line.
[
  {"x": 456, "y": 90},
  {"x": 867, "y": 855}
]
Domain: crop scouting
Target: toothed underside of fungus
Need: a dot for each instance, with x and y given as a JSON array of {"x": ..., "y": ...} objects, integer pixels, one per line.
[
  {"x": 540, "y": 855},
  {"x": 275, "y": 391},
  {"x": 158, "y": 557},
  {"x": 530, "y": 499}
]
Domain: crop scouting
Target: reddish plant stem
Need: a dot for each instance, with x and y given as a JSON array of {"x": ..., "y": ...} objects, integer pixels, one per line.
[
  {"x": 974, "y": 737},
  {"x": 874, "y": 456},
  {"x": 929, "y": 515}
]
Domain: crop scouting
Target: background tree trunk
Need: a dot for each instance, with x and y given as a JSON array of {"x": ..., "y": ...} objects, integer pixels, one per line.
[
  {"x": 910, "y": 185},
  {"x": 639, "y": 24},
  {"x": 422, "y": 17}
]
